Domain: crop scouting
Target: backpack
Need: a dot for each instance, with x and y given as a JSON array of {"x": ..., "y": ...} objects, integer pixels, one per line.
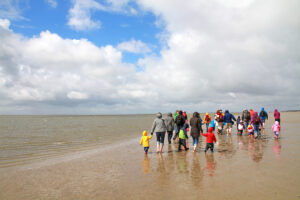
[
  {"x": 180, "y": 120},
  {"x": 263, "y": 114},
  {"x": 256, "y": 120},
  {"x": 247, "y": 116}
]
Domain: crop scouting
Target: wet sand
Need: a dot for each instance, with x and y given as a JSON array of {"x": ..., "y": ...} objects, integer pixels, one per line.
[{"x": 238, "y": 169}]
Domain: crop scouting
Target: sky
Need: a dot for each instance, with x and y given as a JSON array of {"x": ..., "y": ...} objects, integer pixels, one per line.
[{"x": 148, "y": 56}]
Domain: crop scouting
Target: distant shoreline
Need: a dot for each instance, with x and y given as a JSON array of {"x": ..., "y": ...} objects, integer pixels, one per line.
[{"x": 95, "y": 115}]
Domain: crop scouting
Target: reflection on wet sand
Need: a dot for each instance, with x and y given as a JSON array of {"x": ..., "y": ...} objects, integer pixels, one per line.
[
  {"x": 146, "y": 164},
  {"x": 235, "y": 170},
  {"x": 210, "y": 164},
  {"x": 277, "y": 147}
]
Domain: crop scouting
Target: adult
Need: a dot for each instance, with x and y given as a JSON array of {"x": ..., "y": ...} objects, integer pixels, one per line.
[
  {"x": 228, "y": 119},
  {"x": 159, "y": 127},
  {"x": 277, "y": 115},
  {"x": 219, "y": 121},
  {"x": 207, "y": 120},
  {"x": 246, "y": 117},
  {"x": 251, "y": 112},
  {"x": 196, "y": 129},
  {"x": 263, "y": 116},
  {"x": 175, "y": 116},
  {"x": 169, "y": 121},
  {"x": 180, "y": 121},
  {"x": 256, "y": 121}
]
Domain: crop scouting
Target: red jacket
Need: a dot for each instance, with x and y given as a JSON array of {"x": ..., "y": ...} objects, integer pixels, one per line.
[{"x": 210, "y": 137}]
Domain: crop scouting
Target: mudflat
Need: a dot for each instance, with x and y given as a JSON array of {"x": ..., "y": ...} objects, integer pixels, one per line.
[{"x": 238, "y": 169}]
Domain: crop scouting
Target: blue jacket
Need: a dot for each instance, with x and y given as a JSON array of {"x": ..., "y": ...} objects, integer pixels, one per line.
[
  {"x": 263, "y": 116},
  {"x": 228, "y": 117}
]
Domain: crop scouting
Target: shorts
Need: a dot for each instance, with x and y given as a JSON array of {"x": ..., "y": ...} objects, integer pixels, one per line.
[
  {"x": 146, "y": 149},
  {"x": 228, "y": 125},
  {"x": 250, "y": 133},
  {"x": 160, "y": 137}
]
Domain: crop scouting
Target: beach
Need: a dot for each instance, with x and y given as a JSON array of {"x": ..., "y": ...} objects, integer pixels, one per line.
[{"x": 107, "y": 162}]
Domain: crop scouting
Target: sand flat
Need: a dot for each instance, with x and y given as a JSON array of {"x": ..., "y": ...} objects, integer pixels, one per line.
[{"x": 239, "y": 169}]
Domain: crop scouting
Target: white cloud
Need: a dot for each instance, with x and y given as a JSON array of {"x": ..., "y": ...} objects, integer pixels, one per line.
[
  {"x": 77, "y": 95},
  {"x": 5, "y": 23},
  {"x": 52, "y": 3},
  {"x": 80, "y": 15},
  {"x": 134, "y": 46},
  {"x": 9, "y": 9},
  {"x": 216, "y": 54}
]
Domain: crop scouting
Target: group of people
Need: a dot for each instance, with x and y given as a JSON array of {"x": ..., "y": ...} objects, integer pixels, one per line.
[{"x": 250, "y": 121}]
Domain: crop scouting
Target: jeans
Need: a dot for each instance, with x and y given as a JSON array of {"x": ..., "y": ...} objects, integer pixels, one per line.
[
  {"x": 207, "y": 125},
  {"x": 256, "y": 129},
  {"x": 195, "y": 141},
  {"x": 245, "y": 125}
]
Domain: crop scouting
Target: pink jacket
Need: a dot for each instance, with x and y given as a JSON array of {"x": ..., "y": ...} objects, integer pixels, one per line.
[{"x": 276, "y": 127}]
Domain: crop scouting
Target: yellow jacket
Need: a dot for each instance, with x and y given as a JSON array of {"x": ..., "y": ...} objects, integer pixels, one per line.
[{"x": 145, "y": 139}]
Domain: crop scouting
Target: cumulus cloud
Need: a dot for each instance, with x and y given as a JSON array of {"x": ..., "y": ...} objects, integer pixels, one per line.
[
  {"x": 50, "y": 70},
  {"x": 216, "y": 54},
  {"x": 134, "y": 46},
  {"x": 232, "y": 54},
  {"x": 80, "y": 15}
]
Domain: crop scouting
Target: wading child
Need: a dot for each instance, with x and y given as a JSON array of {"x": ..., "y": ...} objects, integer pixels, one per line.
[
  {"x": 240, "y": 127},
  {"x": 250, "y": 131},
  {"x": 212, "y": 124},
  {"x": 182, "y": 137},
  {"x": 145, "y": 141},
  {"x": 210, "y": 139},
  {"x": 276, "y": 129}
]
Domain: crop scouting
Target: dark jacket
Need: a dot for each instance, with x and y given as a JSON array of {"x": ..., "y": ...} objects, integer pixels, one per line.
[
  {"x": 228, "y": 117},
  {"x": 195, "y": 124},
  {"x": 246, "y": 117},
  {"x": 180, "y": 120},
  {"x": 169, "y": 121}
]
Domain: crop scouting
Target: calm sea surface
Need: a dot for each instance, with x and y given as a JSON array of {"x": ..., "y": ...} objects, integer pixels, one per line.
[{"x": 26, "y": 138}]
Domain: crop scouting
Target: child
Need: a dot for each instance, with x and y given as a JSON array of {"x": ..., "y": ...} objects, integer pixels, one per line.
[
  {"x": 210, "y": 139},
  {"x": 212, "y": 124},
  {"x": 182, "y": 137},
  {"x": 276, "y": 129},
  {"x": 145, "y": 141},
  {"x": 240, "y": 127},
  {"x": 250, "y": 131}
]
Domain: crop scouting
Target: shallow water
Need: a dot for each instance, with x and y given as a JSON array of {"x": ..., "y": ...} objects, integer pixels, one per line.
[{"x": 238, "y": 169}]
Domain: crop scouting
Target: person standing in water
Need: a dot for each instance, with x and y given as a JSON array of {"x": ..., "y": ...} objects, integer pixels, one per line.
[
  {"x": 180, "y": 121},
  {"x": 228, "y": 117},
  {"x": 207, "y": 120},
  {"x": 263, "y": 116},
  {"x": 196, "y": 129},
  {"x": 159, "y": 127},
  {"x": 169, "y": 121},
  {"x": 256, "y": 121},
  {"x": 277, "y": 115},
  {"x": 246, "y": 117}
]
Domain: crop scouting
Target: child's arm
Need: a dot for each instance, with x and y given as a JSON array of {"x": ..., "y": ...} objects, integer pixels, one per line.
[
  {"x": 214, "y": 138},
  {"x": 149, "y": 137},
  {"x": 204, "y": 134},
  {"x": 141, "y": 141}
]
